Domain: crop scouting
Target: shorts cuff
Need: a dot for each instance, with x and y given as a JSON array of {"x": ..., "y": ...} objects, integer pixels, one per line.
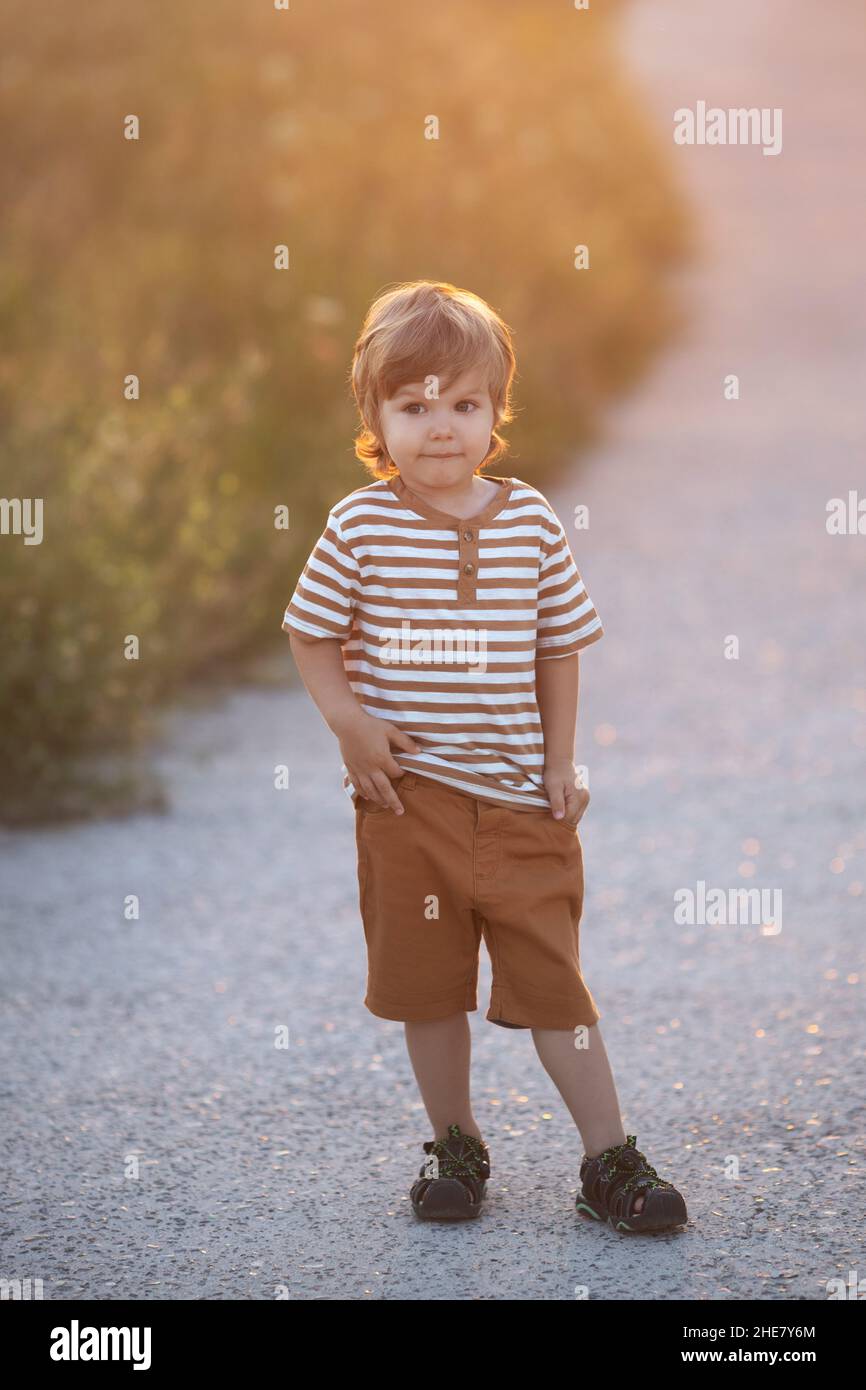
[{"x": 421, "y": 1013}]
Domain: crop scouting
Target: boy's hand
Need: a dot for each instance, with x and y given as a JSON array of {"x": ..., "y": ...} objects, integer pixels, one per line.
[
  {"x": 365, "y": 743},
  {"x": 566, "y": 797}
]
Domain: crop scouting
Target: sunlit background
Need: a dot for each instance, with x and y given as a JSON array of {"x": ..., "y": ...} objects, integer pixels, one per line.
[{"x": 154, "y": 258}]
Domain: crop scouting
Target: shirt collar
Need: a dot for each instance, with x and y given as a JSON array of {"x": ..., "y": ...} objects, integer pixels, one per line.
[{"x": 417, "y": 504}]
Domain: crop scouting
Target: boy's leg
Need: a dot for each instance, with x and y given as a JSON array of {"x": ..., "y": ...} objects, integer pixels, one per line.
[
  {"x": 440, "y": 1055},
  {"x": 585, "y": 1081}
]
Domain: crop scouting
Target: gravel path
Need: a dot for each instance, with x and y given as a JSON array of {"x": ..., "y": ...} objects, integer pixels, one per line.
[{"x": 158, "y": 1144}]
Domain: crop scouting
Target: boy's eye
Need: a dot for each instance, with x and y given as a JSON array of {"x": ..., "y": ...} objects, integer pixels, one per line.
[{"x": 474, "y": 405}]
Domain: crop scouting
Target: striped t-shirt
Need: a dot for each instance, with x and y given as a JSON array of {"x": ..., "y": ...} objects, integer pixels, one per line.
[{"x": 441, "y": 621}]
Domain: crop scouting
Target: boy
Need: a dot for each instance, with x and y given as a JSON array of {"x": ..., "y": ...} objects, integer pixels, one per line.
[{"x": 437, "y": 626}]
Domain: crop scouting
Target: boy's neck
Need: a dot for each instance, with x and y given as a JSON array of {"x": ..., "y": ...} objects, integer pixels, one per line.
[{"x": 473, "y": 499}]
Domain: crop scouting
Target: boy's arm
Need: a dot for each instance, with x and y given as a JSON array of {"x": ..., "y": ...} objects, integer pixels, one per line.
[
  {"x": 365, "y": 740},
  {"x": 557, "y": 690},
  {"x": 320, "y": 663}
]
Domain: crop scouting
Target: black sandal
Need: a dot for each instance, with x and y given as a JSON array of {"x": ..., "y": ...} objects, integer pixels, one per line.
[
  {"x": 452, "y": 1182},
  {"x": 612, "y": 1182}
]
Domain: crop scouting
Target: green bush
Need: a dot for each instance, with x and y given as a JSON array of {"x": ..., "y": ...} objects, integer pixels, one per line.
[{"x": 155, "y": 257}]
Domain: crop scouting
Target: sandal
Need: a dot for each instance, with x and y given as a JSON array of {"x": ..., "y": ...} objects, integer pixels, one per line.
[
  {"x": 452, "y": 1182},
  {"x": 613, "y": 1180}
]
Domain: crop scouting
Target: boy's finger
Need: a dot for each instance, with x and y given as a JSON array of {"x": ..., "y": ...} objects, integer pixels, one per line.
[
  {"x": 406, "y": 741},
  {"x": 386, "y": 793},
  {"x": 366, "y": 788}
]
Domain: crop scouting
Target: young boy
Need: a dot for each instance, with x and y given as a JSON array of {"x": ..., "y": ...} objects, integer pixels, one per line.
[{"x": 437, "y": 626}]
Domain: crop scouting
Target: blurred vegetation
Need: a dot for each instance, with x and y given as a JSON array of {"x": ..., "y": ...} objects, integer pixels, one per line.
[{"x": 156, "y": 257}]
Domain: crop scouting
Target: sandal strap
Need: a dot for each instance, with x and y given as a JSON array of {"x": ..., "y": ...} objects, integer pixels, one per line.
[
  {"x": 623, "y": 1172},
  {"x": 459, "y": 1155}
]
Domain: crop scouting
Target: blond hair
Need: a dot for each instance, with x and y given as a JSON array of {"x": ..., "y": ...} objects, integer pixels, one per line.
[{"x": 422, "y": 328}]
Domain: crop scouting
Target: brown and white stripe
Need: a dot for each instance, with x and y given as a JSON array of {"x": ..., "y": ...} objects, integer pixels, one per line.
[{"x": 501, "y": 588}]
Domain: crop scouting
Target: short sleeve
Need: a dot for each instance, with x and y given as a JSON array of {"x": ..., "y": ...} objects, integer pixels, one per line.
[
  {"x": 567, "y": 620},
  {"x": 327, "y": 592}
]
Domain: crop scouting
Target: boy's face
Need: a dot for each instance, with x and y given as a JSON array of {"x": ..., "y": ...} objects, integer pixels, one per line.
[{"x": 438, "y": 443}]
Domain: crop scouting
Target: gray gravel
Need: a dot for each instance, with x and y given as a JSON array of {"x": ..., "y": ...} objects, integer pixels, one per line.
[{"x": 263, "y": 1167}]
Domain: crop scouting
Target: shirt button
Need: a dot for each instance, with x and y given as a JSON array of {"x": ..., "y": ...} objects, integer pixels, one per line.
[
  {"x": 468, "y": 569},
  {"x": 467, "y": 535}
]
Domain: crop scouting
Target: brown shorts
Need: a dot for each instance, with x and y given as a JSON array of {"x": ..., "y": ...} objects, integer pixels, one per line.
[{"x": 451, "y": 869}]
